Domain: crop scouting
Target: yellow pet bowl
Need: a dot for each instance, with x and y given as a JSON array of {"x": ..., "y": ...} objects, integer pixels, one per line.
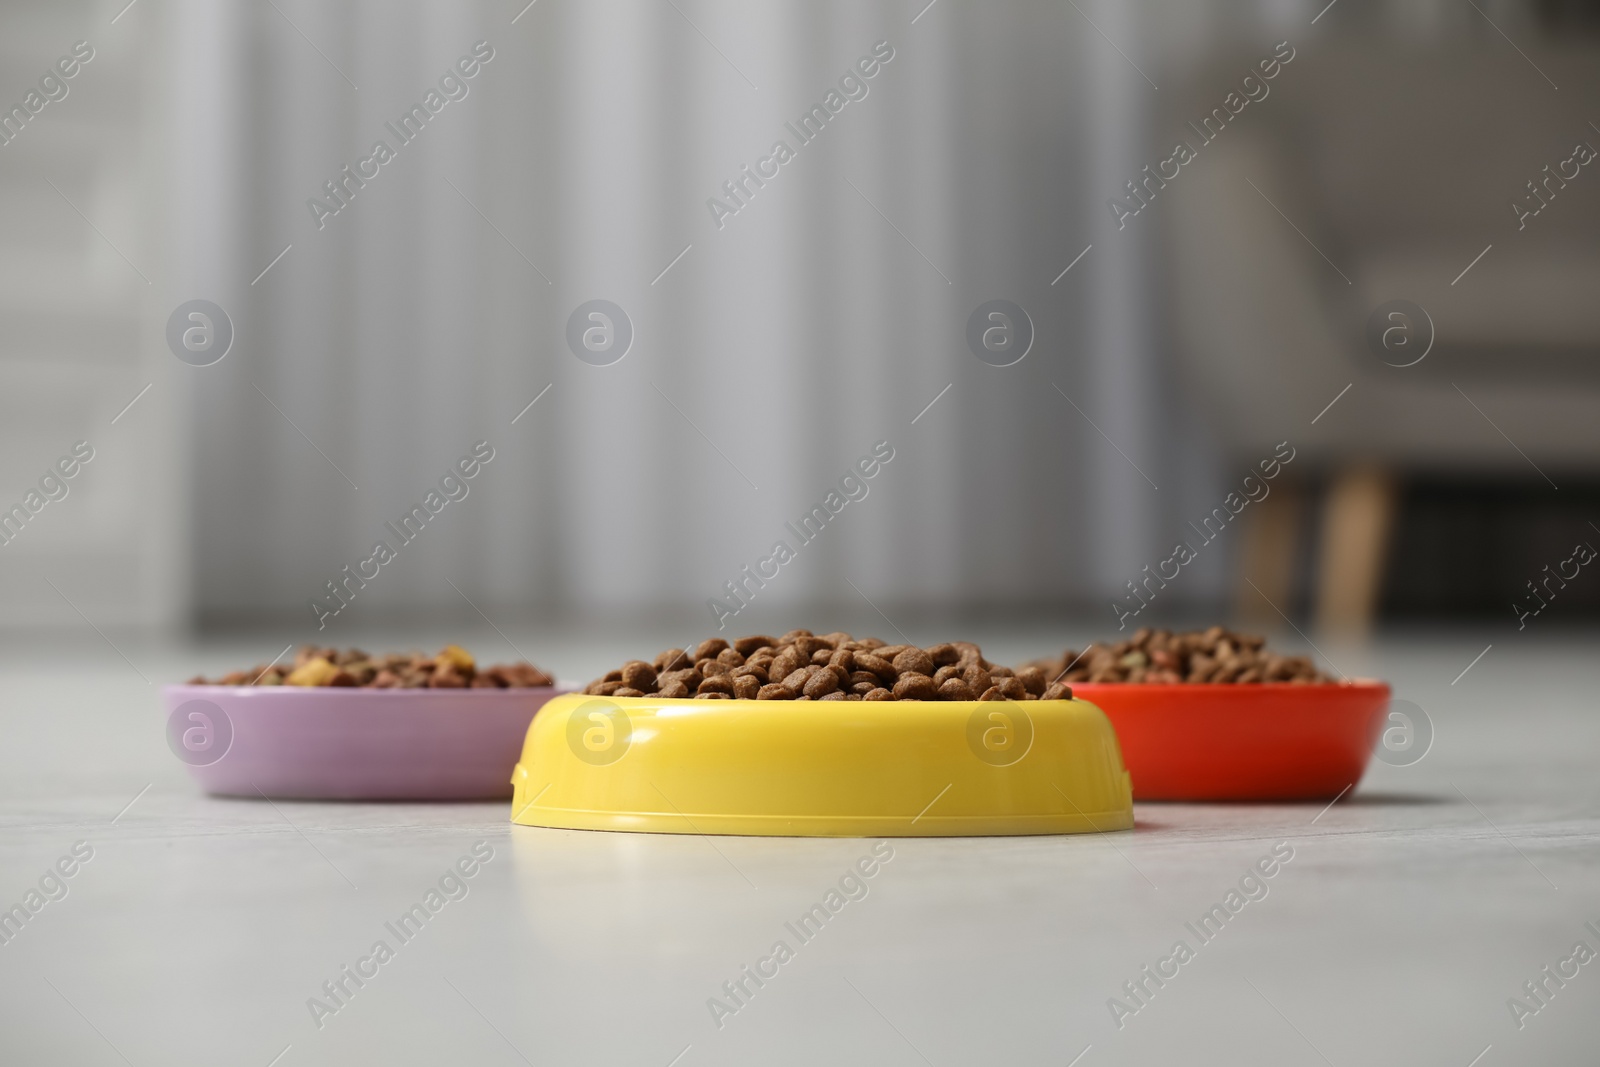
[{"x": 828, "y": 768}]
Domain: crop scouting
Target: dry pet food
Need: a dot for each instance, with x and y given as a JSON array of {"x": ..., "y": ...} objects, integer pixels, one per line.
[
  {"x": 452, "y": 668},
  {"x": 1214, "y": 655},
  {"x": 802, "y": 665}
]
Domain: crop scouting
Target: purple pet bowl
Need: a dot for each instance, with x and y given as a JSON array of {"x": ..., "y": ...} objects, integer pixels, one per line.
[{"x": 351, "y": 744}]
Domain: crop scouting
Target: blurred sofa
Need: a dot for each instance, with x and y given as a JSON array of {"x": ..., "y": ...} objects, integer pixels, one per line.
[{"x": 1374, "y": 173}]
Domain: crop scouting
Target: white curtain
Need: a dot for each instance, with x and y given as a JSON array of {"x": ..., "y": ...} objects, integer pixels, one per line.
[{"x": 822, "y": 318}]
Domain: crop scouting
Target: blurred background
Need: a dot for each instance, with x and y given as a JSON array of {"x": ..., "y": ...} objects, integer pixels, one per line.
[{"x": 771, "y": 333}]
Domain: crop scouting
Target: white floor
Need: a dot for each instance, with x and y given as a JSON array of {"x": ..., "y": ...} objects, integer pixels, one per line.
[{"x": 1408, "y": 915}]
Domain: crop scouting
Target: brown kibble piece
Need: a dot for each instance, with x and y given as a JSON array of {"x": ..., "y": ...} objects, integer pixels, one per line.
[
  {"x": 690, "y": 678},
  {"x": 745, "y": 687},
  {"x": 956, "y": 689},
  {"x": 747, "y": 645},
  {"x": 1057, "y": 691},
  {"x": 717, "y": 683},
  {"x": 1032, "y": 679},
  {"x": 821, "y": 684},
  {"x": 708, "y": 667},
  {"x": 867, "y": 661},
  {"x": 773, "y": 691},
  {"x": 363, "y": 671},
  {"x": 673, "y": 691},
  {"x": 709, "y": 648},
  {"x": 627, "y": 691},
  {"x": 797, "y": 679},
  {"x": 915, "y": 661},
  {"x": 672, "y": 659},
  {"x": 637, "y": 674},
  {"x": 977, "y": 678},
  {"x": 447, "y": 677},
  {"x": 914, "y": 685},
  {"x": 878, "y": 694},
  {"x": 787, "y": 662}
]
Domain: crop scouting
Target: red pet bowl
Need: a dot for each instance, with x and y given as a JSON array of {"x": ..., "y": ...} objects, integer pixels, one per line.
[{"x": 1242, "y": 742}]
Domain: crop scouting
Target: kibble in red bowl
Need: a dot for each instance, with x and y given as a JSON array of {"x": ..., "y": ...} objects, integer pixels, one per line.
[{"x": 1198, "y": 657}]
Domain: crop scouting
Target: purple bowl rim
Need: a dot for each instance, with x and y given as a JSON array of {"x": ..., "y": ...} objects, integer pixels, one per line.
[{"x": 350, "y": 690}]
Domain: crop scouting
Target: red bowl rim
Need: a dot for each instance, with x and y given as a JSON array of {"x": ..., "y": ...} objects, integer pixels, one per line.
[{"x": 1350, "y": 685}]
